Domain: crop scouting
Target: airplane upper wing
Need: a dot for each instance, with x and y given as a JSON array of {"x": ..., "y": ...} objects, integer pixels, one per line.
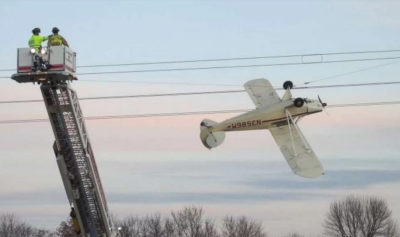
[
  {"x": 305, "y": 164},
  {"x": 261, "y": 92}
]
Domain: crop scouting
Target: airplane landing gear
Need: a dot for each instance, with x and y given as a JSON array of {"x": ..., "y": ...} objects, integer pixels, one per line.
[
  {"x": 287, "y": 84},
  {"x": 299, "y": 102}
]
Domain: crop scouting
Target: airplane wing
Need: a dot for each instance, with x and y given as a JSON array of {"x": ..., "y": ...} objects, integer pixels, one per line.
[
  {"x": 305, "y": 164},
  {"x": 261, "y": 92}
]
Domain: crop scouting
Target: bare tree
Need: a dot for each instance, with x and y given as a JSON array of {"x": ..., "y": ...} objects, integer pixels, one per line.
[
  {"x": 190, "y": 223},
  {"x": 242, "y": 227},
  {"x": 114, "y": 219},
  {"x": 66, "y": 229},
  {"x": 12, "y": 226},
  {"x": 44, "y": 233},
  {"x": 149, "y": 226},
  {"x": 294, "y": 235},
  {"x": 24, "y": 230},
  {"x": 169, "y": 228},
  {"x": 155, "y": 226},
  {"x": 360, "y": 217},
  {"x": 144, "y": 230},
  {"x": 130, "y": 227},
  {"x": 8, "y": 224},
  {"x": 229, "y": 227},
  {"x": 209, "y": 229}
]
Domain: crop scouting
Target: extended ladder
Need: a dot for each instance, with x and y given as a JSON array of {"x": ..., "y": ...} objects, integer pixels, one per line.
[
  {"x": 72, "y": 147},
  {"x": 76, "y": 161}
]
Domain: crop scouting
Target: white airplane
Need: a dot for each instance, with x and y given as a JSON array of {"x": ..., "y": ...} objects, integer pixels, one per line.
[{"x": 280, "y": 117}]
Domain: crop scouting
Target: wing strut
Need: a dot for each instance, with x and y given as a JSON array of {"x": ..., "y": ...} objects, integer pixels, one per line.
[
  {"x": 298, "y": 119},
  {"x": 288, "y": 115}
]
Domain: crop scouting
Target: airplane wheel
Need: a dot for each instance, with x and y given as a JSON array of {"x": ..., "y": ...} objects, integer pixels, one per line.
[
  {"x": 299, "y": 102},
  {"x": 287, "y": 84}
]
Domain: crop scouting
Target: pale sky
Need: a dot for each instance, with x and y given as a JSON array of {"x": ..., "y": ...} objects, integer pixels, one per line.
[{"x": 150, "y": 165}]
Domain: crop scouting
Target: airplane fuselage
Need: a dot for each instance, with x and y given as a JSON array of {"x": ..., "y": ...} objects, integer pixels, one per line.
[{"x": 263, "y": 118}]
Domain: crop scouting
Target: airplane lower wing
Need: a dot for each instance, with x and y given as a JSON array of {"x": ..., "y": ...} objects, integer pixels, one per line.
[
  {"x": 297, "y": 152},
  {"x": 261, "y": 92}
]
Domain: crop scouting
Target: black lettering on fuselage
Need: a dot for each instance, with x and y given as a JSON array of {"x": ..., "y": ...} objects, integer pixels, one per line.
[{"x": 250, "y": 123}]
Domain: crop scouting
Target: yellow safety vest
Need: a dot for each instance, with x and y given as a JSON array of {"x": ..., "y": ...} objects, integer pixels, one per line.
[
  {"x": 36, "y": 41},
  {"x": 56, "y": 40}
]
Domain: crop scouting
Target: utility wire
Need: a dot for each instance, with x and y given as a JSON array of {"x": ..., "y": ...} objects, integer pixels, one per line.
[
  {"x": 131, "y": 96},
  {"x": 227, "y": 59},
  {"x": 203, "y": 92},
  {"x": 160, "y": 82},
  {"x": 190, "y": 113},
  {"x": 202, "y": 84},
  {"x": 348, "y": 73},
  {"x": 227, "y": 67}
]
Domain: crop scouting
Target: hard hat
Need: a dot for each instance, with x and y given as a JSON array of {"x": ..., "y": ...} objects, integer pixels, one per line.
[
  {"x": 36, "y": 30},
  {"x": 55, "y": 29}
]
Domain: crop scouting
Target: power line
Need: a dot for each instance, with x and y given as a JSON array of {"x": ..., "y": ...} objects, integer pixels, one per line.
[
  {"x": 160, "y": 82},
  {"x": 190, "y": 113},
  {"x": 202, "y": 84},
  {"x": 364, "y": 104},
  {"x": 348, "y": 73},
  {"x": 132, "y": 96},
  {"x": 203, "y": 92},
  {"x": 227, "y": 59},
  {"x": 227, "y": 67}
]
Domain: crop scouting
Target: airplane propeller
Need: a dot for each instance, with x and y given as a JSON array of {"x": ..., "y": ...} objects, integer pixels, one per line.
[{"x": 323, "y": 105}]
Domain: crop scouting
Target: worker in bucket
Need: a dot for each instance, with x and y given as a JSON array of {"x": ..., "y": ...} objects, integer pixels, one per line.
[
  {"x": 56, "y": 39},
  {"x": 36, "y": 40}
]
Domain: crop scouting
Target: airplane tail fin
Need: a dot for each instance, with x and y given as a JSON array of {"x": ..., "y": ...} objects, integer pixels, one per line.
[{"x": 209, "y": 138}]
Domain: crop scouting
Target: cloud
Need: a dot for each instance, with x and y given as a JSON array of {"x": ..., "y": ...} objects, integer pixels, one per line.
[
  {"x": 50, "y": 197},
  {"x": 55, "y": 197},
  {"x": 151, "y": 198},
  {"x": 227, "y": 174},
  {"x": 164, "y": 188},
  {"x": 219, "y": 182},
  {"x": 336, "y": 179}
]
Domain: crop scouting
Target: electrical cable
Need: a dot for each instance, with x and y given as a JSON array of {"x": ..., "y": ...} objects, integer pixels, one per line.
[
  {"x": 191, "y": 113},
  {"x": 227, "y": 59},
  {"x": 203, "y": 92},
  {"x": 226, "y": 67},
  {"x": 201, "y": 84},
  {"x": 348, "y": 73}
]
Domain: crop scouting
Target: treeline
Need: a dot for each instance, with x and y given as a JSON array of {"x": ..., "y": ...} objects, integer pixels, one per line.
[
  {"x": 12, "y": 226},
  {"x": 189, "y": 222},
  {"x": 348, "y": 217}
]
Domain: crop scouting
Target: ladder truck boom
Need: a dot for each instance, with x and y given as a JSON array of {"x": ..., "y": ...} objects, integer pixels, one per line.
[{"x": 72, "y": 147}]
